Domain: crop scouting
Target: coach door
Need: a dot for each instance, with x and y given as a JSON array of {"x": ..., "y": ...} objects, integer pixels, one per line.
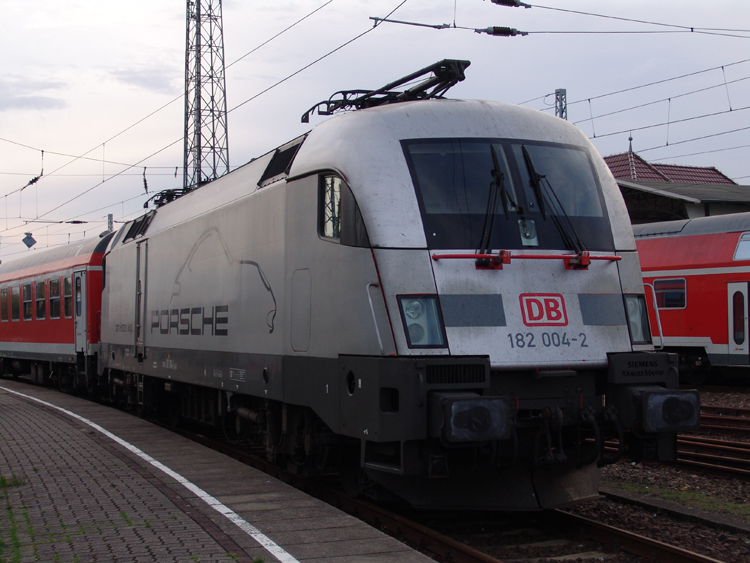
[
  {"x": 737, "y": 297},
  {"x": 79, "y": 310},
  {"x": 140, "y": 298}
]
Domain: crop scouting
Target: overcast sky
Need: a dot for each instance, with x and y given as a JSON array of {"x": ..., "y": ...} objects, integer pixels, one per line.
[{"x": 76, "y": 73}]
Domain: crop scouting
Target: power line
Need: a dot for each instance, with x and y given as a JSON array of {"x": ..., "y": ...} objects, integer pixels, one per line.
[
  {"x": 83, "y": 156},
  {"x": 700, "y": 153},
  {"x": 690, "y": 28},
  {"x": 661, "y": 100},
  {"x": 329, "y": 53},
  {"x": 672, "y": 122},
  {"x": 234, "y": 108},
  {"x": 658, "y": 82},
  {"x": 695, "y": 139},
  {"x": 279, "y": 33},
  {"x": 633, "y": 32}
]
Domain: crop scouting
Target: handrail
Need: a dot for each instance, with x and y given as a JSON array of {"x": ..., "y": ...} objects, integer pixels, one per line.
[
  {"x": 374, "y": 318},
  {"x": 656, "y": 312},
  {"x": 578, "y": 261}
]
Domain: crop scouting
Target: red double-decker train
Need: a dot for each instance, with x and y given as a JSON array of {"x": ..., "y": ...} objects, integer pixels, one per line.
[
  {"x": 698, "y": 271},
  {"x": 50, "y": 313}
]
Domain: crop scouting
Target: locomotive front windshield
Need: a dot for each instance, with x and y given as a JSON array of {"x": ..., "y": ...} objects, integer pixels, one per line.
[{"x": 508, "y": 194}]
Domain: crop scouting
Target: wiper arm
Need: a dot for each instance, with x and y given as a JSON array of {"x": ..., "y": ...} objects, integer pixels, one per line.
[
  {"x": 536, "y": 179},
  {"x": 497, "y": 187},
  {"x": 557, "y": 211},
  {"x": 497, "y": 173}
]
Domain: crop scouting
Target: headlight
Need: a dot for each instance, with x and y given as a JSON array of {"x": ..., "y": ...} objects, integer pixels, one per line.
[
  {"x": 413, "y": 308},
  {"x": 635, "y": 308},
  {"x": 422, "y": 321},
  {"x": 671, "y": 411}
]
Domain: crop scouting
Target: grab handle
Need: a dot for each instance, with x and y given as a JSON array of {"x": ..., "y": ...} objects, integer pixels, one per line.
[{"x": 374, "y": 317}]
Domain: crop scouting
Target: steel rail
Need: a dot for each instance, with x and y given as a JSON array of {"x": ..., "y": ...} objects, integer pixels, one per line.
[
  {"x": 613, "y": 537},
  {"x": 435, "y": 544}
]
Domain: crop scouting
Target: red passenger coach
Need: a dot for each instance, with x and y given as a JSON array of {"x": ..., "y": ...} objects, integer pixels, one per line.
[
  {"x": 50, "y": 310},
  {"x": 698, "y": 271}
]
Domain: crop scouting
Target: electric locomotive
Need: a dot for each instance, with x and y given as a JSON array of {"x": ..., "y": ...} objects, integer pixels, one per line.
[{"x": 439, "y": 299}]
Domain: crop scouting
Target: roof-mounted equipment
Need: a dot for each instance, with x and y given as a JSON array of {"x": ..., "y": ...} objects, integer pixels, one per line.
[
  {"x": 166, "y": 196},
  {"x": 445, "y": 74}
]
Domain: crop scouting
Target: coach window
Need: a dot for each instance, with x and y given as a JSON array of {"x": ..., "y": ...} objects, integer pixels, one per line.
[
  {"x": 28, "y": 303},
  {"x": 4, "y": 304},
  {"x": 670, "y": 294},
  {"x": 339, "y": 217},
  {"x": 54, "y": 298},
  {"x": 68, "y": 297},
  {"x": 41, "y": 300},
  {"x": 15, "y": 303},
  {"x": 743, "y": 248}
]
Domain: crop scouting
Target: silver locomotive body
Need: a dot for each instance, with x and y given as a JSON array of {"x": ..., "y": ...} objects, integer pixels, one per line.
[{"x": 441, "y": 298}]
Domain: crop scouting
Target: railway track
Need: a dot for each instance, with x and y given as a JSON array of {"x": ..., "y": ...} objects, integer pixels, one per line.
[
  {"x": 573, "y": 537},
  {"x": 700, "y": 450},
  {"x": 559, "y": 535}
]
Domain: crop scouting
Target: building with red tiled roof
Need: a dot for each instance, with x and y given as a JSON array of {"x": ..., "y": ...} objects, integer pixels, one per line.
[
  {"x": 630, "y": 166},
  {"x": 664, "y": 192}
]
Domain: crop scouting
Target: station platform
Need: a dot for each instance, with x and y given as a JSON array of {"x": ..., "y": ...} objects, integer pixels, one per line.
[{"x": 81, "y": 482}]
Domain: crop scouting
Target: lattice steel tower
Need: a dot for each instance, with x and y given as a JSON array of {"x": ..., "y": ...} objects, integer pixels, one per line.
[{"x": 206, "y": 142}]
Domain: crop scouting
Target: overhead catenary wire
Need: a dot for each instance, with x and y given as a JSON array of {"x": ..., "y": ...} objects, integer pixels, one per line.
[
  {"x": 234, "y": 108},
  {"x": 701, "y": 153},
  {"x": 632, "y": 20},
  {"x": 662, "y": 124},
  {"x": 659, "y": 101},
  {"x": 164, "y": 106},
  {"x": 328, "y": 54},
  {"x": 702, "y": 137}
]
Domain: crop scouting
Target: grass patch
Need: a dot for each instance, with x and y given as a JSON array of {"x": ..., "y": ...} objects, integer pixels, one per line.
[
  {"x": 12, "y": 481},
  {"x": 15, "y": 542},
  {"x": 692, "y": 499},
  {"x": 125, "y": 517}
]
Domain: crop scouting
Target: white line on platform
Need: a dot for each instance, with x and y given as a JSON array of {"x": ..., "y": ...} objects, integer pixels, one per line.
[{"x": 214, "y": 503}]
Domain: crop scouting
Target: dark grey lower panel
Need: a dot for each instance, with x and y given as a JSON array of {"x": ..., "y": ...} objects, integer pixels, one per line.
[
  {"x": 39, "y": 356},
  {"x": 249, "y": 374},
  {"x": 379, "y": 399}
]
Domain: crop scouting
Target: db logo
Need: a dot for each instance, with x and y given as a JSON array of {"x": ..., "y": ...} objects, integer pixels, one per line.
[{"x": 543, "y": 309}]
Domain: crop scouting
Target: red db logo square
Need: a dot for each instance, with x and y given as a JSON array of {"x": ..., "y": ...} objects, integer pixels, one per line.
[{"x": 543, "y": 309}]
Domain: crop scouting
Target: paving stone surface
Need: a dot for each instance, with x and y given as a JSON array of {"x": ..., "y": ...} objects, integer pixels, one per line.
[
  {"x": 64, "y": 497},
  {"x": 70, "y": 494}
]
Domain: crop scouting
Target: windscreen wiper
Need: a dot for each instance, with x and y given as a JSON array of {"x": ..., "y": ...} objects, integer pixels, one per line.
[
  {"x": 536, "y": 180},
  {"x": 497, "y": 190},
  {"x": 557, "y": 211}
]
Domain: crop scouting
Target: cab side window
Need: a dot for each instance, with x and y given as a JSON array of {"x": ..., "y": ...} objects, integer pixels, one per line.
[
  {"x": 339, "y": 217},
  {"x": 330, "y": 207}
]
